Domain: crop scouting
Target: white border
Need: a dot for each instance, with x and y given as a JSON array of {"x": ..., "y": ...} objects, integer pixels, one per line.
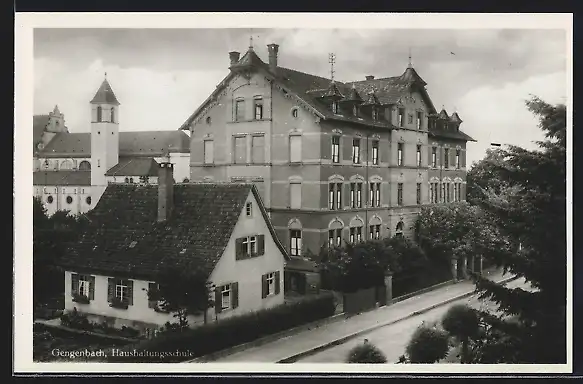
[{"x": 24, "y": 24}]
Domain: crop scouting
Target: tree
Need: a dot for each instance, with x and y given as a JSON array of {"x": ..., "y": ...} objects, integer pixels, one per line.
[
  {"x": 366, "y": 353},
  {"x": 428, "y": 344},
  {"x": 182, "y": 291},
  {"x": 480, "y": 178},
  {"x": 463, "y": 323},
  {"x": 531, "y": 213}
]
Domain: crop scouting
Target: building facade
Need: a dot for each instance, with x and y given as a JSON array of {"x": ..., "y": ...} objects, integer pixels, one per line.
[{"x": 334, "y": 161}]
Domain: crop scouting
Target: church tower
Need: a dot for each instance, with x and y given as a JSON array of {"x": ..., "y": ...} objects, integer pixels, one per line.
[{"x": 104, "y": 136}]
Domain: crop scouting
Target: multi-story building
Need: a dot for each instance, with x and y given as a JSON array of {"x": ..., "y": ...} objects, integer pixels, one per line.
[{"x": 333, "y": 161}]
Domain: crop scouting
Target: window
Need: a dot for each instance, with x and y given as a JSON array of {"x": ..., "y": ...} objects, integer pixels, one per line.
[
  {"x": 400, "y": 194},
  {"x": 400, "y": 154},
  {"x": 249, "y": 209},
  {"x": 419, "y": 120},
  {"x": 209, "y": 149},
  {"x": 295, "y": 193},
  {"x": 239, "y": 110},
  {"x": 84, "y": 166},
  {"x": 294, "y": 113},
  {"x": 69, "y": 199},
  {"x": 226, "y": 296},
  {"x": 442, "y": 192},
  {"x": 356, "y": 151},
  {"x": 98, "y": 163},
  {"x": 447, "y": 192},
  {"x": 375, "y": 231},
  {"x": 359, "y": 195},
  {"x": 295, "y": 149},
  {"x": 375, "y": 152},
  {"x": 208, "y": 120},
  {"x": 122, "y": 290},
  {"x": 334, "y": 107},
  {"x": 355, "y": 110},
  {"x": 249, "y": 246},
  {"x": 418, "y": 193},
  {"x": 399, "y": 229},
  {"x": 84, "y": 285},
  {"x": 355, "y": 195},
  {"x": 99, "y": 114},
  {"x": 401, "y": 117},
  {"x": 270, "y": 284},
  {"x": 434, "y": 192},
  {"x": 295, "y": 238},
  {"x": 127, "y": 180},
  {"x": 88, "y": 200},
  {"x": 240, "y": 150},
  {"x": 131, "y": 180},
  {"x": 335, "y": 149},
  {"x": 375, "y": 114},
  {"x": 375, "y": 194},
  {"x": 355, "y": 234},
  {"x": 456, "y": 191},
  {"x": 410, "y": 119},
  {"x": 50, "y": 199},
  {"x": 112, "y": 119},
  {"x": 335, "y": 196},
  {"x": 446, "y": 157},
  {"x": 335, "y": 237},
  {"x": 434, "y": 157},
  {"x": 457, "y": 158},
  {"x": 257, "y": 149},
  {"x": 67, "y": 164},
  {"x": 418, "y": 155},
  {"x": 258, "y": 109}
]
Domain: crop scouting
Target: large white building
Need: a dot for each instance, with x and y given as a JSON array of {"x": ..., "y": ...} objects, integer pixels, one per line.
[{"x": 72, "y": 169}]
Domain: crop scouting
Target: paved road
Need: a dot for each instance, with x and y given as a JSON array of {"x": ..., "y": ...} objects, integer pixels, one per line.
[{"x": 393, "y": 339}]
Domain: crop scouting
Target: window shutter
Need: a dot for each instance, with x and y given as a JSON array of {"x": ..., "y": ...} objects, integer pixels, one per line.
[
  {"x": 110, "y": 289},
  {"x": 347, "y": 194},
  {"x": 74, "y": 283},
  {"x": 91, "y": 287},
  {"x": 263, "y": 286},
  {"x": 238, "y": 245},
  {"x": 277, "y": 283},
  {"x": 130, "y": 292},
  {"x": 218, "y": 300},
  {"x": 151, "y": 303},
  {"x": 234, "y": 295},
  {"x": 347, "y": 149},
  {"x": 260, "y": 245}
]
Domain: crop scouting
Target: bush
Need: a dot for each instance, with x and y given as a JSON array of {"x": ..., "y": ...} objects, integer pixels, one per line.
[
  {"x": 427, "y": 345},
  {"x": 366, "y": 354},
  {"x": 461, "y": 322},
  {"x": 76, "y": 320},
  {"x": 206, "y": 339}
]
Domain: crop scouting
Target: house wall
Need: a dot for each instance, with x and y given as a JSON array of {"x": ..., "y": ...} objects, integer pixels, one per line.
[
  {"x": 450, "y": 174},
  {"x": 247, "y": 273},
  {"x": 79, "y": 198}
]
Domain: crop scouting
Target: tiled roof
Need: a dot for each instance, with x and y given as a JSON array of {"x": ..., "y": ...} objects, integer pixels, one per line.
[
  {"x": 39, "y": 123},
  {"x": 456, "y": 135},
  {"x": 105, "y": 95},
  {"x": 61, "y": 178},
  {"x": 194, "y": 236},
  {"x": 144, "y": 143},
  {"x": 134, "y": 166}
]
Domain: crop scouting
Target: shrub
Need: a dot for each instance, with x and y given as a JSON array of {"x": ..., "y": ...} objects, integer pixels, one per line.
[
  {"x": 366, "y": 353},
  {"x": 76, "y": 320},
  {"x": 206, "y": 339},
  {"x": 463, "y": 323},
  {"x": 428, "y": 344}
]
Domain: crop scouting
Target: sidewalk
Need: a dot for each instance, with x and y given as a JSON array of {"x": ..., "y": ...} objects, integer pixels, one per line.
[{"x": 290, "y": 348}]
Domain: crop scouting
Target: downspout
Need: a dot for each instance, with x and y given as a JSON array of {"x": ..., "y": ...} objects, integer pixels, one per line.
[{"x": 368, "y": 188}]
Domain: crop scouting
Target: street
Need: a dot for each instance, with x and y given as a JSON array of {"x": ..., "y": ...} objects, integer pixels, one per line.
[{"x": 393, "y": 339}]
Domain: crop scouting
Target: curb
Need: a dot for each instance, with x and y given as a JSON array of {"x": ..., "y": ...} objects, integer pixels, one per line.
[{"x": 296, "y": 357}]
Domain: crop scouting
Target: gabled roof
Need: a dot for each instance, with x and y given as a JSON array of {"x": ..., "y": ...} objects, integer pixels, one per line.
[
  {"x": 371, "y": 99},
  {"x": 353, "y": 95},
  {"x": 450, "y": 134},
  {"x": 195, "y": 235},
  {"x": 61, "y": 178},
  {"x": 135, "y": 166},
  {"x": 443, "y": 115},
  {"x": 105, "y": 95},
  {"x": 143, "y": 143},
  {"x": 455, "y": 118}
]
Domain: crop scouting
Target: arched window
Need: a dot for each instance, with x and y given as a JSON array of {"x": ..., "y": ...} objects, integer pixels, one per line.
[
  {"x": 112, "y": 115},
  {"x": 335, "y": 232},
  {"x": 127, "y": 180},
  {"x": 356, "y": 229},
  {"x": 67, "y": 164},
  {"x": 295, "y": 237},
  {"x": 84, "y": 166},
  {"x": 69, "y": 199},
  {"x": 99, "y": 114},
  {"x": 399, "y": 229},
  {"x": 375, "y": 227}
]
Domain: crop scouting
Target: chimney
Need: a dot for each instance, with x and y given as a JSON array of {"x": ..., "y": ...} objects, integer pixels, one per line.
[
  {"x": 234, "y": 57},
  {"x": 273, "y": 48},
  {"x": 165, "y": 190},
  {"x": 369, "y": 77}
]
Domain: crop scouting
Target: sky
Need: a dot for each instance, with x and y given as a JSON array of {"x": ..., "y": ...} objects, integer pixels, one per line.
[{"x": 160, "y": 76}]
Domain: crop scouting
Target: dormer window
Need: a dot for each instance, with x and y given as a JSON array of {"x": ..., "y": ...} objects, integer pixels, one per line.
[
  {"x": 334, "y": 107},
  {"x": 375, "y": 114},
  {"x": 355, "y": 110}
]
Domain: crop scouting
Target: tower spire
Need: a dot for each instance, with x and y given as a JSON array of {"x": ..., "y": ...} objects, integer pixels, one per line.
[
  {"x": 410, "y": 63},
  {"x": 332, "y": 60},
  {"x": 251, "y": 39}
]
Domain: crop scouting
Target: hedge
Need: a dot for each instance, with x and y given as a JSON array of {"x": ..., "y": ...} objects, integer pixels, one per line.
[{"x": 191, "y": 343}]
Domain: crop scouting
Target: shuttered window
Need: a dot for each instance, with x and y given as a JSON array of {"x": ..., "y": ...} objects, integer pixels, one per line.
[
  {"x": 270, "y": 283},
  {"x": 120, "y": 289},
  {"x": 249, "y": 246},
  {"x": 226, "y": 297},
  {"x": 83, "y": 285}
]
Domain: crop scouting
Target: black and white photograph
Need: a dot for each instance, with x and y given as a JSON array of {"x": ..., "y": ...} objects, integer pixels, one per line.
[{"x": 293, "y": 193}]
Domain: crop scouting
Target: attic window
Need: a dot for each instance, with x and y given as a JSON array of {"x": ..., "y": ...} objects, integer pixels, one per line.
[
  {"x": 335, "y": 107},
  {"x": 248, "y": 209},
  {"x": 294, "y": 112},
  {"x": 208, "y": 120},
  {"x": 133, "y": 244}
]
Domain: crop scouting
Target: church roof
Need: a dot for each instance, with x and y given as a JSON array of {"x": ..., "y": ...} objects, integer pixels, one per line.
[
  {"x": 195, "y": 235},
  {"x": 139, "y": 143},
  {"x": 39, "y": 123},
  {"x": 61, "y": 178},
  {"x": 134, "y": 166},
  {"x": 105, "y": 95}
]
